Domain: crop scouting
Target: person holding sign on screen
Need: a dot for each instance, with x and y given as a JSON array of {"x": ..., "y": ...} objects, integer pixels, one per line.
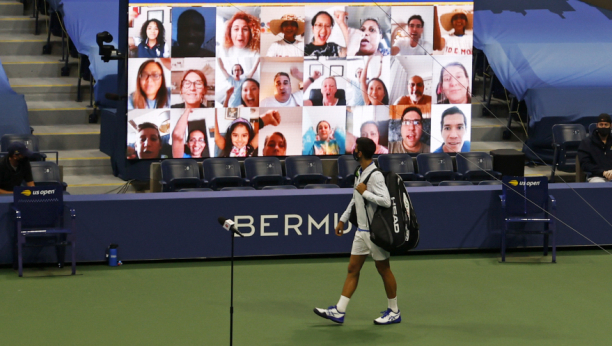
[{"x": 366, "y": 199}]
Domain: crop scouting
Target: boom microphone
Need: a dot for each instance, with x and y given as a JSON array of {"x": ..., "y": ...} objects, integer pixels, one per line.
[{"x": 229, "y": 225}]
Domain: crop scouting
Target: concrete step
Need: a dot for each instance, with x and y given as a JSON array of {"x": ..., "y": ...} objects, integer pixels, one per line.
[
  {"x": 21, "y": 24},
  {"x": 95, "y": 184},
  {"x": 12, "y": 8},
  {"x": 50, "y": 89},
  {"x": 38, "y": 66},
  {"x": 73, "y": 137},
  {"x": 83, "y": 158},
  {"x": 26, "y": 44},
  {"x": 58, "y": 112}
]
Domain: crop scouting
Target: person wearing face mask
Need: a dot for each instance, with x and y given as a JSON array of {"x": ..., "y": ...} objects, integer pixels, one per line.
[
  {"x": 458, "y": 42},
  {"x": 190, "y": 33},
  {"x": 593, "y": 152},
  {"x": 366, "y": 199},
  {"x": 291, "y": 26},
  {"x": 15, "y": 168},
  {"x": 235, "y": 81}
]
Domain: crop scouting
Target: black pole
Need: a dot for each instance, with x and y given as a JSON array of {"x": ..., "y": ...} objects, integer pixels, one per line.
[{"x": 232, "y": 292}]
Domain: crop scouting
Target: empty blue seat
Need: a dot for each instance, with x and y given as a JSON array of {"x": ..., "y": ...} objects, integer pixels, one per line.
[
  {"x": 346, "y": 170},
  {"x": 321, "y": 186},
  {"x": 195, "y": 189},
  {"x": 47, "y": 173},
  {"x": 476, "y": 166},
  {"x": 264, "y": 171},
  {"x": 566, "y": 139},
  {"x": 237, "y": 188},
  {"x": 417, "y": 183},
  {"x": 401, "y": 164},
  {"x": 436, "y": 167},
  {"x": 455, "y": 183},
  {"x": 304, "y": 170},
  {"x": 490, "y": 182},
  {"x": 280, "y": 187},
  {"x": 179, "y": 174},
  {"x": 222, "y": 172}
]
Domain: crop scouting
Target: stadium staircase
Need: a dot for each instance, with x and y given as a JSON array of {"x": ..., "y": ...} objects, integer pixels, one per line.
[{"x": 58, "y": 120}]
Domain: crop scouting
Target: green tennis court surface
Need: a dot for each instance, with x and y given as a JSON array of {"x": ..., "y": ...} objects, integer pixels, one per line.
[{"x": 444, "y": 300}]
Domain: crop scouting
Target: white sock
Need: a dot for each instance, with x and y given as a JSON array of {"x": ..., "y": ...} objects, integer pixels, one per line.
[
  {"x": 393, "y": 304},
  {"x": 342, "y": 303}
]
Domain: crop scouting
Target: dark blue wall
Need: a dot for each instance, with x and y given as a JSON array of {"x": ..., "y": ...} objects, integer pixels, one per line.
[{"x": 184, "y": 225}]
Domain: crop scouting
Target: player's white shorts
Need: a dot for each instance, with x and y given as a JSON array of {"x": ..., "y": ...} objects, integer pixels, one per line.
[{"x": 362, "y": 245}]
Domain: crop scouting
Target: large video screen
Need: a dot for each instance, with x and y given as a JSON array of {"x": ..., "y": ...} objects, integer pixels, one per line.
[{"x": 238, "y": 81}]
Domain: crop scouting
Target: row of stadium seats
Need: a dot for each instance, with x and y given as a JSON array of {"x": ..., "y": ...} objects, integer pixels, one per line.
[{"x": 261, "y": 172}]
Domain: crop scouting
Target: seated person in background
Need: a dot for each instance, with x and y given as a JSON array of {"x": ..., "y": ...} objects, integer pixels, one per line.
[
  {"x": 411, "y": 131},
  {"x": 15, "y": 168},
  {"x": 275, "y": 145},
  {"x": 235, "y": 81},
  {"x": 415, "y": 93},
  {"x": 291, "y": 26},
  {"x": 453, "y": 126},
  {"x": 415, "y": 44},
  {"x": 282, "y": 93},
  {"x": 191, "y": 29},
  {"x": 593, "y": 150},
  {"x": 328, "y": 90},
  {"x": 193, "y": 89},
  {"x": 196, "y": 146}
]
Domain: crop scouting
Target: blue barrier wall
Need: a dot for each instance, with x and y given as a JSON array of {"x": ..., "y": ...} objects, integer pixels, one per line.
[{"x": 184, "y": 225}]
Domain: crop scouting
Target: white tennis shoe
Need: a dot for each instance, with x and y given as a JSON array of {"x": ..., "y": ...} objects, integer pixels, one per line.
[
  {"x": 331, "y": 313},
  {"x": 389, "y": 317}
]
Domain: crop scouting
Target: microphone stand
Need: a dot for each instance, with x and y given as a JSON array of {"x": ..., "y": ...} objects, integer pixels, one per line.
[{"x": 232, "y": 292}]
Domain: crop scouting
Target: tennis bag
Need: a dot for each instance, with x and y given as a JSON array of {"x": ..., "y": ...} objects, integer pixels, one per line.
[{"x": 395, "y": 229}]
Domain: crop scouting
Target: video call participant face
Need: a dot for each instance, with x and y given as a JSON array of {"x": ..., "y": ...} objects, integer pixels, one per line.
[
  {"x": 453, "y": 130},
  {"x": 416, "y": 88},
  {"x": 370, "y": 130},
  {"x": 275, "y": 145},
  {"x": 289, "y": 29},
  {"x": 240, "y": 136},
  {"x": 329, "y": 89},
  {"x": 371, "y": 37},
  {"x": 376, "y": 92},
  {"x": 196, "y": 143},
  {"x": 193, "y": 89},
  {"x": 415, "y": 28},
  {"x": 322, "y": 28},
  {"x": 149, "y": 145},
  {"x": 240, "y": 33},
  {"x": 455, "y": 83},
  {"x": 190, "y": 31},
  {"x": 459, "y": 22},
  {"x": 282, "y": 83},
  {"x": 150, "y": 80},
  {"x": 412, "y": 129},
  {"x": 250, "y": 93},
  {"x": 323, "y": 130},
  {"x": 152, "y": 30},
  {"x": 237, "y": 71}
]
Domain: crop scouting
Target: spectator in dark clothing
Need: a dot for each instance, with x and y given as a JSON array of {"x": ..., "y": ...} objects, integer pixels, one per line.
[
  {"x": 593, "y": 151},
  {"x": 15, "y": 168}
]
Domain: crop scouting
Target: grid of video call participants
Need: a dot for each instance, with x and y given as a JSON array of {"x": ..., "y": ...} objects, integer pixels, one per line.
[{"x": 298, "y": 80}]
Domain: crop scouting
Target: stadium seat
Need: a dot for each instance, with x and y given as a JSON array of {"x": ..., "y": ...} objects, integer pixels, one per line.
[
  {"x": 30, "y": 141},
  {"x": 417, "y": 183},
  {"x": 592, "y": 128},
  {"x": 566, "y": 139},
  {"x": 222, "y": 172},
  {"x": 237, "y": 188},
  {"x": 400, "y": 164},
  {"x": 321, "y": 186},
  {"x": 490, "y": 182},
  {"x": 455, "y": 183},
  {"x": 179, "y": 174},
  {"x": 436, "y": 167},
  {"x": 476, "y": 166},
  {"x": 41, "y": 216},
  {"x": 526, "y": 204},
  {"x": 46, "y": 173},
  {"x": 304, "y": 170},
  {"x": 264, "y": 171},
  {"x": 280, "y": 187},
  {"x": 196, "y": 189},
  {"x": 346, "y": 170}
]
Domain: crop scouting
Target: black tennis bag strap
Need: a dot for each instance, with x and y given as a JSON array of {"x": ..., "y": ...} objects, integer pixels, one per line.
[{"x": 366, "y": 183}]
